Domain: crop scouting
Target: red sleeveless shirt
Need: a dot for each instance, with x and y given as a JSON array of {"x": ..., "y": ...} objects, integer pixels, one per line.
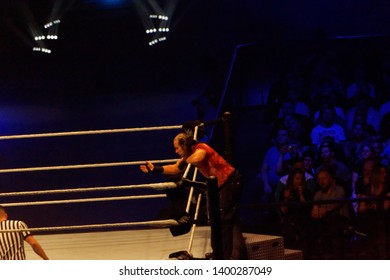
[{"x": 213, "y": 164}]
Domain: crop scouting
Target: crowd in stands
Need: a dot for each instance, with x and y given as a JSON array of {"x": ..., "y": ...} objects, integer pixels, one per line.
[{"x": 331, "y": 141}]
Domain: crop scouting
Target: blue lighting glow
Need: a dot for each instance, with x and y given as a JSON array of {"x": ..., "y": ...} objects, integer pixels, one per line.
[
  {"x": 112, "y": 3},
  {"x": 105, "y": 4}
]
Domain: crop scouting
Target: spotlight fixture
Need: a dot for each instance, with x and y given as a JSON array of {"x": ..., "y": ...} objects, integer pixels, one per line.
[
  {"x": 52, "y": 37},
  {"x": 44, "y": 50},
  {"x": 48, "y": 25},
  {"x": 156, "y": 18},
  {"x": 163, "y": 17},
  {"x": 156, "y": 41},
  {"x": 163, "y": 29},
  {"x": 51, "y": 26},
  {"x": 151, "y": 30},
  {"x": 51, "y": 23},
  {"x": 153, "y": 42},
  {"x": 161, "y": 20},
  {"x": 39, "y": 38},
  {"x": 160, "y": 17}
]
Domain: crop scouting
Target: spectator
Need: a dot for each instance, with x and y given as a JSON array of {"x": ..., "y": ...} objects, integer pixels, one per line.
[
  {"x": 288, "y": 155},
  {"x": 296, "y": 105},
  {"x": 367, "y": 153},
  {"x": 385, "y": 156},
  {"x": 371, "y": 213},
  {"x": 329, "y": 220},
  {"x": 378, "y": 185},
  {"x": 325, "y": 99},
  {"x": 384, "y": 108},
  {"x": 278, "y": 92},
  {"x": 342, "y": 173},
  {"x": 360, "y": 84},
  {"x": 357, "y": 140},
  {"x": 310, "y": 183},
  {"x": 327, "y": 127},
  {"x": 299, "y": 130},
  {"x": 329, "y": 190},
  {"x": 320, "y": 89},
  {"x": 294, "y": 218},
  {"x": 364, "y": 177},
  {"x": 363, "y": 111},
  {"x": 309, "y": 159},
  {"x": 377, "y": 145},
  {"x": 269, "y": 172}
]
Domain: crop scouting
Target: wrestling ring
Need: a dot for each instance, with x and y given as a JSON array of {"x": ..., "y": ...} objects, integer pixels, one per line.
[{"x": 130, "y": 240}]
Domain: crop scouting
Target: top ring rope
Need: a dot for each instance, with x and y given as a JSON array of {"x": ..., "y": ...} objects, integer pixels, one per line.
[
  {"x": 79, "y": 166},
  {"x": 89, "y": 132}
]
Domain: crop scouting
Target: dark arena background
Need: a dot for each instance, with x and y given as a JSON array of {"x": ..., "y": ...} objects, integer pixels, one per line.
[{"x": 75, "y": 65}]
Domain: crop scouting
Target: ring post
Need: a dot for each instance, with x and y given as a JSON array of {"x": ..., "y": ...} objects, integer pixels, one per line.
[{"x": 215, "y": 218}]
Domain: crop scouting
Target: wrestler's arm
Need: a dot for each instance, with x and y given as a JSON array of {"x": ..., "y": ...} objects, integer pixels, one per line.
[
  {"x": 170, "y": 169},
  {"x": 198, "y": 156},
  {"x": 173, "y": 169}
]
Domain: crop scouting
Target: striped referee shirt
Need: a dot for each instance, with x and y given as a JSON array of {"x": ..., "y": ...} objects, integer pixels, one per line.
[{"x": 12, "y": 243}]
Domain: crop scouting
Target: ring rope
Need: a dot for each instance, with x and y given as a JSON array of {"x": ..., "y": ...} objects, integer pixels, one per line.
[
  {"x": 157, "y": 223},
  {"x": 156, "y": 186},
  {"x": 160, "y": 223},
  {"x": 80, "y": 166},
  {"x": 88, "y": 132},
  {"x": 67, "y": 201}
]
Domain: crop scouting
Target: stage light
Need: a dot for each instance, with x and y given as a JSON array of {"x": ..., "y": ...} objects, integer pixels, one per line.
[
  {"x": 156, "y": 18},
  {"x": 51, "y": 23},
  {"x": 44, "y": 50},
  {"x": 162, "y": 17},
  {"x": 52, "y": 37},
  {"x": 151, "y": 30},
  {"x": 156, "y": 41},
  {"x": 39, "y": 38},
  {"x": 60, "y": 7},
  {"x": 153, "y": 42}
]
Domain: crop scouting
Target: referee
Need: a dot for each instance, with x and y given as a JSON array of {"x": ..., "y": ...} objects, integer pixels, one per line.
[{"x": 12, "y": 242}]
